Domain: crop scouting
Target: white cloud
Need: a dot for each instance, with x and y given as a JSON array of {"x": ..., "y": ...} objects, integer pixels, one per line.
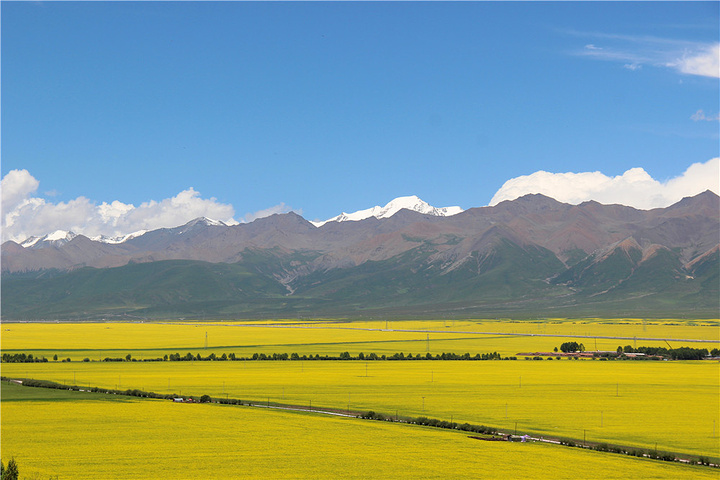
[
  {"x": 705, "y": 62},
  {"x": 16, "y": 186},
  {"x": 700, "y": 116},
  {"x": 25, "y": 215},
  {"x": 634, "y": 51},
  {"x": 635, "y": 187}
]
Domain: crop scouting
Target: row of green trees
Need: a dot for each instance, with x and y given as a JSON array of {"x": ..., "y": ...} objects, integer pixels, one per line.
[
  {"x": 343, "y": 356},
  {"x": 131, "y": 392},
  {"x": 21, "y": 358},
  {"x": 681, "y": 353},
  {"x": 26, "y": 358},
  {"x": 188, "y": 357},
  {"x": 637, "y": 452},
  {"x": 432, "y": 422}
]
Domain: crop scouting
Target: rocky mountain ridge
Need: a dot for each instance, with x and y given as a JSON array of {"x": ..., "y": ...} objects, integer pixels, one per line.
[{"x": 529, "y": 249}]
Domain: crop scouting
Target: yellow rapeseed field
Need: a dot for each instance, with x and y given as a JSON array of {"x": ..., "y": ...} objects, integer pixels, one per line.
[
  {"x": 77, "y": 435},
  {"x": 150, "y": 340},
  {"x": 671, "y": 406},
  {"x": 674, "y": 405}
]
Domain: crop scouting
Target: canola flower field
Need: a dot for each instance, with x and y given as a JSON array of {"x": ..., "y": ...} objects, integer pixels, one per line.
[
  {"x": 670, "y": 406},
  {"x": 155, "y": 339},
  {"x": 632, "y": 403},
  {"x": 65, "y": 434}
]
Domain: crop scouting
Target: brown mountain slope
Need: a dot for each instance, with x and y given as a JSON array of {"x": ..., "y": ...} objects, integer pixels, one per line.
[{"x": 569, "y": 231}]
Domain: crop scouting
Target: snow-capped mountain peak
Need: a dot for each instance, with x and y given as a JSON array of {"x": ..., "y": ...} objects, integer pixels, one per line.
[
  {"x": 208, "y": 222},
  {"x": 200, "y": 221},
  {"x": 412, "y": 202},
  {"x": 57, "y": 238}
]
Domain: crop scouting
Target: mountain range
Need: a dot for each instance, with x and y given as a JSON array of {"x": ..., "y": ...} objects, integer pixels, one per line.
[{"x": 533, "y": 256}]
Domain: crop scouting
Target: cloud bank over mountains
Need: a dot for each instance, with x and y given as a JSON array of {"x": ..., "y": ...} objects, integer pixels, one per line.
[
  {"x": 24, "y": 214},
  {"x": 634, "y": 188}
]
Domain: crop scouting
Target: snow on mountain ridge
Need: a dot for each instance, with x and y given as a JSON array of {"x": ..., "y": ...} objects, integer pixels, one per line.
[
  {"x": 118, "y": 239},
  {"x": 57, "y": 238},
  {"x": 30, "y": 241},
  {"x": 412, "y": 202},
  {"x": 60, "y": 237},
  {"x": 206, "y": 221}
]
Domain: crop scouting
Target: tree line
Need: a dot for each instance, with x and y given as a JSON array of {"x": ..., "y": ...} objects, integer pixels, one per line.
[
  {"x": 432, "y": 422},
  {"x": 681, "y": 353},
  {"x": 198, "y": 357},
  {"x": 22, "y": 358},
  {"x": 176, "y": 357}
]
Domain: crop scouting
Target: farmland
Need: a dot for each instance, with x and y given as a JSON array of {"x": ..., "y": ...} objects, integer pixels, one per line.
[
  {"x": 70, "y": 434},
  {"x": 149, "y": 340},
  {"x": 632, "y": 403}
]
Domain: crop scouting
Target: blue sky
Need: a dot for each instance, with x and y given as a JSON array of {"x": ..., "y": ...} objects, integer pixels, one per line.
[{"x": 326, "y": 107}]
